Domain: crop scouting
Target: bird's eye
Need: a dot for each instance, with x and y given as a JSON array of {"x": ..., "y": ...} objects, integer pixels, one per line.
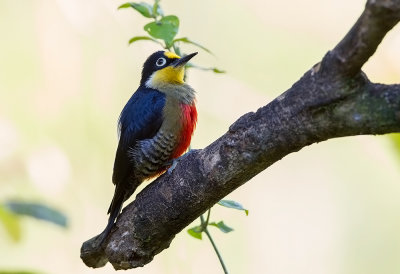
[{"x": 161, "y": 62}]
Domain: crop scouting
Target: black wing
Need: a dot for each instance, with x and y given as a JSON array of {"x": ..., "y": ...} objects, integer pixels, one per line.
[{"x": 140, "y": 119}]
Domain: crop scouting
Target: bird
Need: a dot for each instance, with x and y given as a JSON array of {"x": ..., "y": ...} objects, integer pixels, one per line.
[{"x": 155, "y": 127}]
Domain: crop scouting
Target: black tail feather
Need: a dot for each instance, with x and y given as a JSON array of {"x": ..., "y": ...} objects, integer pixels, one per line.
[
  {"x": 110, "y": 224},
  {"x": 121, "y": 194},
  {"x": 113, "y": 210}
]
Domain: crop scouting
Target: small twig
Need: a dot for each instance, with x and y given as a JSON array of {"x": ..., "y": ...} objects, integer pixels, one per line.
[
  {"x": 204, "y": 225},
  {"x": 208, "y": 216}
]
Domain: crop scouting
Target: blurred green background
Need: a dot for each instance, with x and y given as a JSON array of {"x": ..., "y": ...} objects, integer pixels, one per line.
[{"x": 66, "y": 71}]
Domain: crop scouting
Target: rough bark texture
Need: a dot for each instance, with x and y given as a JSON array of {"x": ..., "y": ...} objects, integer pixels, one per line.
[{"x": 332, "y": 99}]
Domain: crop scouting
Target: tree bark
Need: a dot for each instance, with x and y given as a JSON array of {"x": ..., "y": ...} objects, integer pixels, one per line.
[{"x": 332, "y": 99}]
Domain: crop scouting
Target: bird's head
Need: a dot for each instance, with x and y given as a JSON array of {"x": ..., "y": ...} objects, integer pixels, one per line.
[{"x": 164, "y": 67}]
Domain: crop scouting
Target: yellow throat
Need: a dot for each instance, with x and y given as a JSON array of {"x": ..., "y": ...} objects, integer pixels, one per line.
[{"x": 170, "y": 75}]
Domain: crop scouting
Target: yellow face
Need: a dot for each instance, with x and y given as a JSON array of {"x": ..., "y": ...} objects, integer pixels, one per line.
[{"x": 170, "y": 74}]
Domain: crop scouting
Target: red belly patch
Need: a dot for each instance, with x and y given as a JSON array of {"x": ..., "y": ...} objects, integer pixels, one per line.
[{"x": 189, "y": 120}]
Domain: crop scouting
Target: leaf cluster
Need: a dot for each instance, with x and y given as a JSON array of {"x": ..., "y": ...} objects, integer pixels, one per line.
[
  {"x": 197, "y": 231},
  {"x": 163, "y": 30}
]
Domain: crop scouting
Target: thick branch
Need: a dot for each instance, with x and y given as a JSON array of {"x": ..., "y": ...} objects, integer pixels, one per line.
[
  {"x": 318, "y": 107},
  {"x": 363, "y": 39}
]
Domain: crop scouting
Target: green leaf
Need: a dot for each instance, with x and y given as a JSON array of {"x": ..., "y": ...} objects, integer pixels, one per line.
[
  {"x": 195, "y": 232},
  {"x": 157, "y": 9},
  {"x": 11, "y": 223},
  {"x": 38, "y": 211},
  {"x": 233, "y": 204},
  {"x": 215, "y": 70},
  {"x": 166, "y": 29},
  {"x": 138, "y": 38},
  {"x": 223, "y": 227},
  {"x": 145, "y": 9},
  {"x": 187, "y": 41},
  {"x": 396, "y": 141}
]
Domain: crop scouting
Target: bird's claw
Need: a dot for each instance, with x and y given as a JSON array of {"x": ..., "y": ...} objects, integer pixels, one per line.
[{"x": 173, "y": 166}]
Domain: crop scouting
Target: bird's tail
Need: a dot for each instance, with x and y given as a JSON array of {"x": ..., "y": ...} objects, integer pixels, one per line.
[
  {"x": 114, "y": 209},
  {"x": 120, "y": 196}
]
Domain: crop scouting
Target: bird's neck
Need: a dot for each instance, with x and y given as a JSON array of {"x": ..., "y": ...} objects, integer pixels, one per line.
[{"x": 181, "y": 92}]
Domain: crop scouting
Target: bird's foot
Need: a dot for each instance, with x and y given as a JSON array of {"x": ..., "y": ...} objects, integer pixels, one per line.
[{"x": 172, "y": 164}]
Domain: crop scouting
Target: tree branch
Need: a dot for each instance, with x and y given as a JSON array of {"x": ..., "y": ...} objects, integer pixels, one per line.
[
  {"x": 360, "y": 43},
  {"x": 333, "y": 99}
]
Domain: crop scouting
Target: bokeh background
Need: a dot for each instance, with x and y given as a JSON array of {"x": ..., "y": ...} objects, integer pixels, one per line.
[{"x": 66, "y": 71}]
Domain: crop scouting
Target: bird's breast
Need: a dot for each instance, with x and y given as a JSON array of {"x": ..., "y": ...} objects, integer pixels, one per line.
[
  {"x": 180, "y": 121},
  {"x": 171, "y": 141},
  {"x": 188, "y": 124}
]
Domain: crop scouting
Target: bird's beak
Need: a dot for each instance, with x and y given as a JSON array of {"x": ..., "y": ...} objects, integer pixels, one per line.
[{"x": 182, "y": 61}]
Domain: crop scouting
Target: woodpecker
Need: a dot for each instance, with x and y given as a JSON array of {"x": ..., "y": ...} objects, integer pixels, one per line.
[{"x": 155, "y": 126}]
